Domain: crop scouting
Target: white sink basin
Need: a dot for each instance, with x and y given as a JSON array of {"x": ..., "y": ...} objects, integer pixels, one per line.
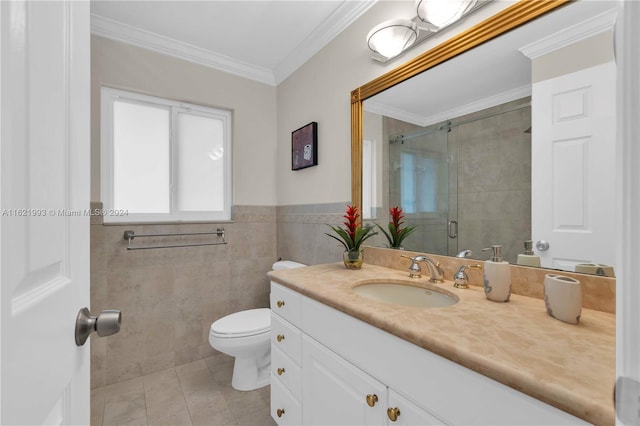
[{"x": 405, "y": 294}]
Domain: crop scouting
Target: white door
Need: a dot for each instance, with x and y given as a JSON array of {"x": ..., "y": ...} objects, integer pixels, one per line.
[
  {"x": 44, "y": 181},
  {"x": 573, "y": 156},
  {"x": 628, "y": 235}
]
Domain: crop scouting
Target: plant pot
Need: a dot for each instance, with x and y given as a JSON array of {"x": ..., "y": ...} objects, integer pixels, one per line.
[{"x": 353, "y": 259}]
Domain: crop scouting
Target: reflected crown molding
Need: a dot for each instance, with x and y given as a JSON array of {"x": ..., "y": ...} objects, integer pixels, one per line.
[
  {"x": 570, "y": 35},
  {"x": 488, "y": 102}
]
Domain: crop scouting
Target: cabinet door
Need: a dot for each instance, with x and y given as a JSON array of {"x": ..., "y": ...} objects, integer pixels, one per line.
[
  {"x": 407, "y": 413},
  {"x": 285, "y": 408},
  {"x": 335, "y": 392}
]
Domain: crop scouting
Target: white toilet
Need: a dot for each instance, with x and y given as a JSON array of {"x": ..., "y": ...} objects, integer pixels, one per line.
[{"x": 246, "y": 335}]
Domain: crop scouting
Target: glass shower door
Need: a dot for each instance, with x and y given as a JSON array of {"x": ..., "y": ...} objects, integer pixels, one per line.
[{"x": 419, "y": 182}]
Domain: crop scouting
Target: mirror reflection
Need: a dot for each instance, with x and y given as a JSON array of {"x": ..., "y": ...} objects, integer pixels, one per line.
[{"x": 504, "y": 145}]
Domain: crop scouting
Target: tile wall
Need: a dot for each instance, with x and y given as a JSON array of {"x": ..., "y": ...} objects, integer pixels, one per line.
[
  {"x": 489, "y": 176},
  {"x": 301, "y": 232},
  {"x": 169, "y": 297},
  {"x": 494, "y": 178}
]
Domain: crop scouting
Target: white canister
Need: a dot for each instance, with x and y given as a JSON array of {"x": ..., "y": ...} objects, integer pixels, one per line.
[
  {"x": 563, "y": 298},
  {"x": 497, "y": 281}
]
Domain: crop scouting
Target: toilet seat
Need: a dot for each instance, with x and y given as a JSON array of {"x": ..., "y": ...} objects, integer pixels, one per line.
[{"x": 251, "y": 322}]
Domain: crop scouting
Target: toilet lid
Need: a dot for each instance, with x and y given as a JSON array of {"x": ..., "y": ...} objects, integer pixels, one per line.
[
  {"x": 243, "y": 323},
  {"x": 286, "y": 264}
]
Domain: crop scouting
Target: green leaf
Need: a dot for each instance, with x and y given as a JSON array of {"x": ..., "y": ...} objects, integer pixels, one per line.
[
  {"x": 386, "y": 234},
  {"x": 339, "y": 240}
]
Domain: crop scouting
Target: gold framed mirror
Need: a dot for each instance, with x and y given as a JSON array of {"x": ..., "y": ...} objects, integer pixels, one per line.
[{"x": 506, "y": 20}]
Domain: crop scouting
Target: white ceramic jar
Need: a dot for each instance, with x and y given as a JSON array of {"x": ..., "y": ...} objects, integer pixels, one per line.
[{"x": 563, "y": 298}]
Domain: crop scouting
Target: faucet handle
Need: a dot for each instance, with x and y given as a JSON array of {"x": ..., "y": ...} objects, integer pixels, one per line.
[
  {"x": 461, "y": 279},
  {"x": 414, "y": 269},
  {"x": 418, "y": 258}
]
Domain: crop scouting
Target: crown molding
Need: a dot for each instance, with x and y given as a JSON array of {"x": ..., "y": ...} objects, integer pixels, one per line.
[
  {"x": 399, "y": 114},
  {"x": 588, "y": 28},
  {"x": 333, "y": 25},
  {"x": 118, "y": 31},
  {"x": 422, "y": 121}
]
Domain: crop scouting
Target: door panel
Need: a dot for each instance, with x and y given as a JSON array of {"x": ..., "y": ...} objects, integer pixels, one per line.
[
  {"x": 573, "y": 194},
  {"x": 44, "y": 199},
  {"x": 409, "y": 413},
  {"x": 335, "y": 391}
]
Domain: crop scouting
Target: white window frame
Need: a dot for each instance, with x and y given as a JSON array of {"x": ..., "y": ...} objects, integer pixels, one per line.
[{"x": 107, "y": 97}]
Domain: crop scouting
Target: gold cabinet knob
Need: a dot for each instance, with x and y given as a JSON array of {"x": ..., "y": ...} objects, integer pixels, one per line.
[
  {"x": 280, "y": 412},
  {"x": 393, "y": 413},
  {"x": 372, "y": 399},
  {"x": 280, "y": 303},
  {"x": 279, "y": 337},
  {"x": 280, "y": 371}
]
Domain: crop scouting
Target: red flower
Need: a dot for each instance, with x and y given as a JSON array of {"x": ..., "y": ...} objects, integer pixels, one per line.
[
  {"x": 351, "y": 221},
  {"x": 396, "y": 233},
  {"x": 353, "y": 234},
  {"x": 396, "y": 216}
]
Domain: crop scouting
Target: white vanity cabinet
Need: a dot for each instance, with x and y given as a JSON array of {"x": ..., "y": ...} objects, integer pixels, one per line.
[
  {"x": 345, "y": 362},
  {"x": 286, "y": 355},
  {"x": 407, "y": 413},
  {"x": 338, "y": 393}
]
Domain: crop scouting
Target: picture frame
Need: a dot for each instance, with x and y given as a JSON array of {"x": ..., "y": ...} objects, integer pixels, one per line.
[{"x": 304, "y": 146}]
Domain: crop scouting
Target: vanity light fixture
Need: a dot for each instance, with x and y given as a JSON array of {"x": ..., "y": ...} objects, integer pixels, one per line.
[
  {"x": 441, "y": 13},
  {"x": 390, "y": 38}
]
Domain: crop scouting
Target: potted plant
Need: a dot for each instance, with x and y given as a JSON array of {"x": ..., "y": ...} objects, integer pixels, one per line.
[
  {"x": 396, "y": 233},
  {"x": 351, "y": 237}
]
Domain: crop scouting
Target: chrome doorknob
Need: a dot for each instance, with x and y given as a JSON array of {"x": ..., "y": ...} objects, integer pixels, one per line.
[
  {"x": 542, "y": 245},
  {"x": 105, "y": 324}
]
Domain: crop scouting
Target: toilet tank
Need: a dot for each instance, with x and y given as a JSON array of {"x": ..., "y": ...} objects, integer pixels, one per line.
[{"x": 286, "y": 264}]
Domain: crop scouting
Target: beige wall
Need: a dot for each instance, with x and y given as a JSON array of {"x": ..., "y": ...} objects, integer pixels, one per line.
[
  {"x": 128, "y": 67},
  {"x": 583, "y": 54},
  {"x": 320, "y": 91},
  {"x": 170, "y": 297}
]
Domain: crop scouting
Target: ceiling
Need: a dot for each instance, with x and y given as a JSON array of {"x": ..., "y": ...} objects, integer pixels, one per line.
[
  {"x": 262, "y": 40},
  {"x": 491, "y": 74}
]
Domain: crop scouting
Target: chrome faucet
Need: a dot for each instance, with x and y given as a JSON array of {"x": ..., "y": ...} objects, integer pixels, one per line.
[
  {"x": 436, "y": 272},
  {"x": 464, "y": 253}
]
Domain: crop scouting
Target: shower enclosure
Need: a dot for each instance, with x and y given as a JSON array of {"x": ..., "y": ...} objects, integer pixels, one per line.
[{"x": 465, "y": 183}]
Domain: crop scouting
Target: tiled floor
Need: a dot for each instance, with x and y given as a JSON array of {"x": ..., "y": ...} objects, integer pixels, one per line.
[{"x": 198, "y": 393}]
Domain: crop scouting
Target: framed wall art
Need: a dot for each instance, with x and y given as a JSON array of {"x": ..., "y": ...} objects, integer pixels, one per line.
[{"x": 304, "y": 147}]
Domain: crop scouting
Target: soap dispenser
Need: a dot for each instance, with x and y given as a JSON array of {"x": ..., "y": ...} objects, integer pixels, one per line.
[
  {"x": 497, "y": 276},
  {"x": 528, "y": 258}
]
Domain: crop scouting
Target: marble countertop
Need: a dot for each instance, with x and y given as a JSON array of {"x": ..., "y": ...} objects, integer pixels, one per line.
[{"x": 571, "y": 367}]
